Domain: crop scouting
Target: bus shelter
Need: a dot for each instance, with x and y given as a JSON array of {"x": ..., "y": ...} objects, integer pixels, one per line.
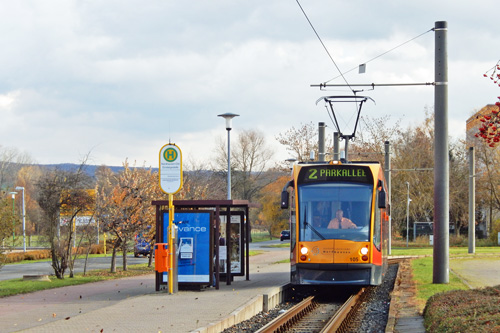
[{"x": 225, "y": 249}]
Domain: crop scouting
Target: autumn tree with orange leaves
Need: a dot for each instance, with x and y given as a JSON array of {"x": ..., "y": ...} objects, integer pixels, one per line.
[
  {"x": 272, "y": 217},
  {"x": 124, "y": 206}
]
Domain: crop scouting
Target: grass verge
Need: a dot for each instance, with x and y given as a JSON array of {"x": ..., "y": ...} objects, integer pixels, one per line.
[
  {"x": 453, "y": 307},
  {"x": 454, "y": 251},
  {"x": 422, "y": 275},
  {"x": 261, "y": 236},
  {"x": 79, "y": 257},
  {"x": 281, "y": 245},
  {"x": 19, "y": 286},
  {"x": 422, "y": 268}
]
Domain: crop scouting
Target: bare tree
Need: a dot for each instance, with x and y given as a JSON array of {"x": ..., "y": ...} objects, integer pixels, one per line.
[
  {"x": 487, "y": 185},
  {"x": 11, "y": 160},
  {"x": 300, "y": 141},
  {"x": 371, "y": 137},
  {"x": 459, "y": 180},
  {"x": 76, "y": 202},
  {"x": 250, "y": 158},
  {"x": 57, "y": 188},
  {"x": 201, "y": 183}
]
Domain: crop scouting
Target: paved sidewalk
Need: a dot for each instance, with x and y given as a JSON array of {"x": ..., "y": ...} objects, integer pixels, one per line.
[
  {"x": 132, "y": 305},
  {"x": 477, "y": 272}
]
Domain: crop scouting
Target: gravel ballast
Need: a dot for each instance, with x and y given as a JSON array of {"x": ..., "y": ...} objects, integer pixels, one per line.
[{"x": 372, "y": 315}]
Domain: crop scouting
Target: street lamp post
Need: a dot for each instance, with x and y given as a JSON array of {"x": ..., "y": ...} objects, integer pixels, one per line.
[
  {"x": 228, "y": 117},
  {"x": 13, "y": 217},
  {"x": 20, "y": 188},
  {"x": 407, "y": 212}
]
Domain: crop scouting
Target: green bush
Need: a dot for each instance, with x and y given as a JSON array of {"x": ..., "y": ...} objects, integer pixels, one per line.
[
  {"x": 473, "y": 310},
  {"x": 494, "y": 234}
]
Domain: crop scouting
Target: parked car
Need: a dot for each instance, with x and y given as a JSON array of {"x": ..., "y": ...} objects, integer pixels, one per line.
[
  {"x": 285, "y": 234},
  {"x": 141, "y": 247}
]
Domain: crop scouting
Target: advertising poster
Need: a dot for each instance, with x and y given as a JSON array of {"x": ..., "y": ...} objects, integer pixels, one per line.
[
  {"x": 193, "y": 247},
  {"x": 236, "y": 245}
]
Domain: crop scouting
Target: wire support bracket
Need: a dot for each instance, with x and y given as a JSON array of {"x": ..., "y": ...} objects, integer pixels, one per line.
[{"x": 372, "y": 85}]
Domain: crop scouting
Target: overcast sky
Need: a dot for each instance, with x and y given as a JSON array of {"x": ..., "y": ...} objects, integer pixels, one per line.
[{"x": 120, "y": 78}]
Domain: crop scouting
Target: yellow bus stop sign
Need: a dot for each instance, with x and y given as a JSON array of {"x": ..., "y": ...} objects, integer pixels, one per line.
[{"x": 170, "y": 171}]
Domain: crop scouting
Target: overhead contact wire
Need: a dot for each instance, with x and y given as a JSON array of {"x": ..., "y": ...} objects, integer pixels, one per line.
[
  {"x": 324, "y": 46},
  {"x": 380, "y": 55}
]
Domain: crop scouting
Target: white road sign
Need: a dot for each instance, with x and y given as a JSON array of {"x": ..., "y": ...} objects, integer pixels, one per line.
[{"x": 170, "y": 171}]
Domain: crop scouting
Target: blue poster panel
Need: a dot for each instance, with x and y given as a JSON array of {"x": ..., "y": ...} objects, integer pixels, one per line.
[{"x": 193, "y": 246}]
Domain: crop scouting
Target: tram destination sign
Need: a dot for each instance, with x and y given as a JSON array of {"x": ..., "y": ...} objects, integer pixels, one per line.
[{"x": 335, "y": 173}]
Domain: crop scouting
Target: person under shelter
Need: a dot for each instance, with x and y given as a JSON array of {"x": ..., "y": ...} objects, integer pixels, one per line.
[{"x": 340, "y": 222}]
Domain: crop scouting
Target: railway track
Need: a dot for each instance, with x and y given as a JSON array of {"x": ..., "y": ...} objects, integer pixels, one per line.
[{"x": 310, "y": 315}]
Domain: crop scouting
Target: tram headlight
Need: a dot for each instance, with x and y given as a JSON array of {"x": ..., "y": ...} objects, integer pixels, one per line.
[
  {"x": 364, "y": 253},
  {"x": 303, "y": 253}
]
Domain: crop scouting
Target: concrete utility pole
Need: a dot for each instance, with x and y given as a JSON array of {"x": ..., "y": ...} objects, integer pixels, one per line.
[
  {"x": 441, "y": 159},
  {"x": 407, "y": 213},
  {"x": 387, "y": 174},
  {"x": 321, "y": 142},
  {"x": 336, "y": 148},
  {"x": 472, "y": 202}
]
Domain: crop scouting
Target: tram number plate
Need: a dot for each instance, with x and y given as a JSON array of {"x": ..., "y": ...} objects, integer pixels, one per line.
[{"x": 354, "y": 259}]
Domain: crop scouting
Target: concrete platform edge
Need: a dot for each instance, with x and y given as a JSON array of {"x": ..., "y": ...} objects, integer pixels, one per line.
[
  {"x": 258, "y": 304},
  {"x": 403, "y": 313},
  {"x": 391, "y": 320},
  {"x": 247, "y": 311}
]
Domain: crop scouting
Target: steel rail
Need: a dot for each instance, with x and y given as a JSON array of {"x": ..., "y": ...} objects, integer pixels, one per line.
[
  {"x": 281, "y": 323},
  {"x": 339, "y": 322}
]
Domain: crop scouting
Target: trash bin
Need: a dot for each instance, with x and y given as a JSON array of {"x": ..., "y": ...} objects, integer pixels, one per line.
[{"x": 162, "y": 263}]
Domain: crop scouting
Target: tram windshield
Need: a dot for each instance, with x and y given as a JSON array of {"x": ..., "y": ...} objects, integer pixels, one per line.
[{"x": 335, "y": 211}]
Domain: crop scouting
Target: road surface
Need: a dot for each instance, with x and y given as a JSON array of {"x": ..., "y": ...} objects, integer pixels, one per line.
[{"x": 16, "y": 271}]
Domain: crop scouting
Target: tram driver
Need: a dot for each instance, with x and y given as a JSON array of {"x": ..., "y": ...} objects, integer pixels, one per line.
[{"x": 341, "y": 222}]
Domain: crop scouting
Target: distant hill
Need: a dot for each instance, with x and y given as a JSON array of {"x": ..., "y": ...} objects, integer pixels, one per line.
[{"x": 89, "y": 169}]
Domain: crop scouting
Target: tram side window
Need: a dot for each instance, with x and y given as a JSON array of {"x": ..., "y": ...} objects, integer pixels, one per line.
[
  {"x": 377, "y": 226},
  {"x": 293, "y": 226}
]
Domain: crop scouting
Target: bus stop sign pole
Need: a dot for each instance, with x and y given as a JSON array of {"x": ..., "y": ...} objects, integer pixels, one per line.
[{"x": 170, "y": 174}]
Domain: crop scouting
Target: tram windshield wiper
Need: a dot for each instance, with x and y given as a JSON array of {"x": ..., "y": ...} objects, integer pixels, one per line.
[
  {"x": 311, "y": 226},
  {"x": 314, "y": 230}
]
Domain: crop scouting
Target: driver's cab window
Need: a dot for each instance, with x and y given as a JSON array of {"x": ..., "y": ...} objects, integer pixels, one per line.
[{"x": 334, "y": 211}]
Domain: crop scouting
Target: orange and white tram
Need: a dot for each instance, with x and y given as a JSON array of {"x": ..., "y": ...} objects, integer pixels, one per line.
[{"x": 338, "y": 222}]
